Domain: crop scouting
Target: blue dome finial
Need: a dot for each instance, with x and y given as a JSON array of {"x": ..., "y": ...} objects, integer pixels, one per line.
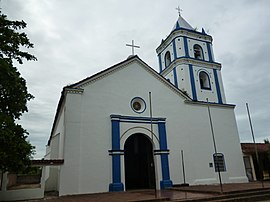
[{"x": 203, "y": 31}]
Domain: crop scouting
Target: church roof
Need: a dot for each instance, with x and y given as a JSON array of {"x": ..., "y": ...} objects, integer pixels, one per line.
[{"x": 182, "y": 23}]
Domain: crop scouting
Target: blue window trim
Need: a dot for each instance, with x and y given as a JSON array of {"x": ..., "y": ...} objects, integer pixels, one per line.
[
  {"x": 209, "y": 52},
  {"x": 175, "y": 77},
  {"x": 116, "y": 184},
  {"x": 217, "y": 87},
  {"x": 173, "y": 39},
  {"x": 135, "y": 118},
  {"x": 187, "y": 51},
  {"x": 160, "y": 63},
  {"x": 193, "y": 59},
  {"x": 186, "y": 46},
  {"x": 165, "y": 182},
  {"x": 174, "y": 50},
  {"x": 192, "y": 81}
]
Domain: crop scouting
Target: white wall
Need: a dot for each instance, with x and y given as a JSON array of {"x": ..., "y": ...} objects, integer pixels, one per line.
[
  {"x": 55, "y": 151},
  {"x": 70, "y": 170},
  {"x": 87, "y": 167},
  {"x": 196, "y": 142},
  {"x": 180, "y": 49}
]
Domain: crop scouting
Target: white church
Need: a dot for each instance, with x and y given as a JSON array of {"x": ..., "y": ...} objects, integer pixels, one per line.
[{"x": 130, "y": 127}]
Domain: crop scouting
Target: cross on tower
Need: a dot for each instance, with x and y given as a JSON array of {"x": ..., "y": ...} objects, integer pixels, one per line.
[
  {"x": 179, "y": 10},
  {"x": 132, "y": 46}
]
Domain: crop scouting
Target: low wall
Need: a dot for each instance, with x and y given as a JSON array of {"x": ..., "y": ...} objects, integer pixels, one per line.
[
  {"x": 12, "y": 180},
  {"x": 28, "y": 179},
  {"x": 21, "y": 194}
]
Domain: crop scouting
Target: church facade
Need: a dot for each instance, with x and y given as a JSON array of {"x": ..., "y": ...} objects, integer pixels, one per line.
[{"x": 130, "y": 127}]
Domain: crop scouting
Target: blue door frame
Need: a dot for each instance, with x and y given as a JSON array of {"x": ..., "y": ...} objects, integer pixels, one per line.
[{"x": 116, "y": 152}]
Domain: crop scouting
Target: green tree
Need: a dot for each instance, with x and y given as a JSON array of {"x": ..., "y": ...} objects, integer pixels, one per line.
[{"x": 15, "y": 150}]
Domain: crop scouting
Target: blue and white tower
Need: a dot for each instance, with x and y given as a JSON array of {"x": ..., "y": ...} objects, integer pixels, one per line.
[{"x": 186, "y": 59}]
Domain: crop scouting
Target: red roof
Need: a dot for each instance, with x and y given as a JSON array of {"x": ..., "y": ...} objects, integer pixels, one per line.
[
  {"x": 47, "y": 162},
  {"x": 249, "y": 148}
]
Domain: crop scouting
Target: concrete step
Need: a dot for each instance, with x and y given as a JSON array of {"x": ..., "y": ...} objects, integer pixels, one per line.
[
  {"x": 246, "y": 198},
  {"x": 246, "y": 195}
]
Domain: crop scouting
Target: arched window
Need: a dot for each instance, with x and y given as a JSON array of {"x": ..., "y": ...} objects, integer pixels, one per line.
[
  {"x": 167, "y": 58},
  {"x": 204, "y": 80},
  {"x": 198, "y": 53}
]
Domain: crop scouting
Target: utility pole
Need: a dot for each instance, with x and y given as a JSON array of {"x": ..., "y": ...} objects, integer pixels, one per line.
[
  {"x": 255, "y": 145},
  {"x": 215, "y": 147},
  {"x": 152, "y": 137}
]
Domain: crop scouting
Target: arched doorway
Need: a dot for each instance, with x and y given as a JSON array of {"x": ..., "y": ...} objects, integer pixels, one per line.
[{"x": 139, "y": 164}]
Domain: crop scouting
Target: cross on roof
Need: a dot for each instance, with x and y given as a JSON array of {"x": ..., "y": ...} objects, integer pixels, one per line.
[
  {"x": 133, "y": 46},
  {"x": 179, "y": 10}
]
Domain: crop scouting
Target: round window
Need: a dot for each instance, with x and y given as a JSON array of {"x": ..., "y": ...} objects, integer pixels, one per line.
[{"x": 138, "y": 105}]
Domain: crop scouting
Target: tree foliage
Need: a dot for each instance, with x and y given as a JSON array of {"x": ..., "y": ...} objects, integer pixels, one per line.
[
  {"x": 15, "y": 150},
  {"x": 13, "y": 91},
  {"x": 12, "y": 40}
]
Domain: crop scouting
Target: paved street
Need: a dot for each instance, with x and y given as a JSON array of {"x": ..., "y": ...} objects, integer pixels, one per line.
[
  {"x": 137, "y": 195},
  {"x": 177, "y": 193}
]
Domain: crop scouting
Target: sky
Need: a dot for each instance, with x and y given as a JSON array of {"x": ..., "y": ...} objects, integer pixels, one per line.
[{"x": 76, "y": 39}]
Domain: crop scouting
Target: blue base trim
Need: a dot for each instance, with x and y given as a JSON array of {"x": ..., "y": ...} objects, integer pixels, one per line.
[
  {"x": 116, "y": 187},
  {"x": 165, "y": 184},
  {"x": 174, "y": 50}
]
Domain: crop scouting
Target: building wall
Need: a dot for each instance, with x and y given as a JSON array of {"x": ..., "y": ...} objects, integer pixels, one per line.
[
  {"x": 55, "y": 151},
  {"x": 87, "y": 167},
  {"x": 70, "y": 173}
]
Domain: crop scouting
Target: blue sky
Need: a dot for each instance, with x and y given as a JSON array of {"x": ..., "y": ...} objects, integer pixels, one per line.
[{"x": 75, "y": 39}]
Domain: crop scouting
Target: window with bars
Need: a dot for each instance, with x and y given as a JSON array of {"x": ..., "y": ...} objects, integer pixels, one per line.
[{"x": 219, "y": 162}]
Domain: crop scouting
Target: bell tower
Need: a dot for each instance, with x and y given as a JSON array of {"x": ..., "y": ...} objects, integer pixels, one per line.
[{"x": 186, "y": 59}]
